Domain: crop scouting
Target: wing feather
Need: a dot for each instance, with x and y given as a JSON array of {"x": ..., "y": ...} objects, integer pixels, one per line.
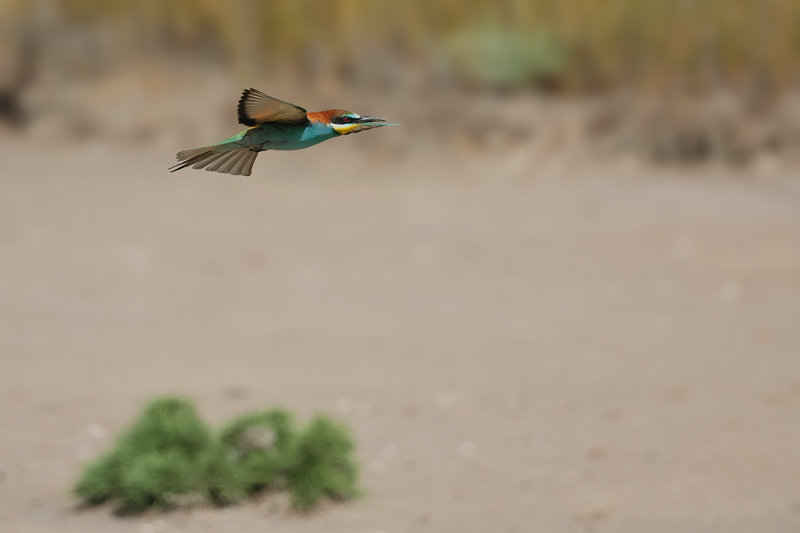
[{"x": 256, "y": 108}]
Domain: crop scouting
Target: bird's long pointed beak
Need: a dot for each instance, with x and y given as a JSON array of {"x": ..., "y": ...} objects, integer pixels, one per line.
[{"x": 375, "y": 122}]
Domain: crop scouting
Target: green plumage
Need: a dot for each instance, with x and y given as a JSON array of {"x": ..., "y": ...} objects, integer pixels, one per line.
[{"x": 276, "y": 125}]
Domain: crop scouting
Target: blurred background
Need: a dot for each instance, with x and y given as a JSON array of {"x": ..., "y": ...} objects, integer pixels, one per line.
[
  {"x": 562, "y": 296},
  {"x": 682, "y": 80}
]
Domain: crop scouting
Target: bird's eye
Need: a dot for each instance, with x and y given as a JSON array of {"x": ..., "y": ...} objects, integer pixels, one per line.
[{"x": 346, "y": 119}]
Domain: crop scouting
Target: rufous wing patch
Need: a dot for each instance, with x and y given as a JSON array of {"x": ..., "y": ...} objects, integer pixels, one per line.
[{"x": 256, "y": 107}]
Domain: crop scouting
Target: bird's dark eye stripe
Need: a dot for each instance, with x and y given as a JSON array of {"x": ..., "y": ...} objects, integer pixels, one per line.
[{"x": 344, "y": 119}]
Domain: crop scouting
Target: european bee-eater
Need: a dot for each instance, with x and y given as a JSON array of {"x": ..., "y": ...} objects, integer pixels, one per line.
[{"x": 274, "y": 125}]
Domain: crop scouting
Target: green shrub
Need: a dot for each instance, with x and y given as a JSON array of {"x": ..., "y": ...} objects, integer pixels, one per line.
[
  {"x": 504, "y": 58},
  {"x": 254, "y": 453},
  {"x": 322, "y": 465},
  {"x": 155, "y": 479},
  {"x": 153, "y": 460},
  {"x": 100, "y": 480},
  {"x": 166, "y": 424},
  {"x": 169, "y": 456}
]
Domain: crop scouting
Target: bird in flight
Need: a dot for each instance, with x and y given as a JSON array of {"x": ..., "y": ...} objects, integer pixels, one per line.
[{"x": 273, "y": 125}]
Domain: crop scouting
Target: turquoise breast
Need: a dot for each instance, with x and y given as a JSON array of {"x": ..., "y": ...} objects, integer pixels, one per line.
[{"x": 274, "y": 136}]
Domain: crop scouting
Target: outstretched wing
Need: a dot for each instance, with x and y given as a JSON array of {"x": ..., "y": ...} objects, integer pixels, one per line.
[{"x": 256, "y": 107}]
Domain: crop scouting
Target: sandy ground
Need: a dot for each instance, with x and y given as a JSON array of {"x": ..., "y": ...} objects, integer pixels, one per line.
[{"x": 516, "y": 349}]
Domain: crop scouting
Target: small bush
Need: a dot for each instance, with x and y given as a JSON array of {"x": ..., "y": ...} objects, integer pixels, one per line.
[
  {"x": 153, "y": 460},
  {"x": 322, "y": 465},
  {"x": 156, "y": 479},
  {"x": 254, "y": 453},
  {"x": 100, "y": 480},
  {"x": 169, "y": 456},
  {"x": 502, "y": 58}
]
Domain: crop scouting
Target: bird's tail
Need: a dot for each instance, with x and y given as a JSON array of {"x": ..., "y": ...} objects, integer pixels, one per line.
[{"x": 224, "y": 157}]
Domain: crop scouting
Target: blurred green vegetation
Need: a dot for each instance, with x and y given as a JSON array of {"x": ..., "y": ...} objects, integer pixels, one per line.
[
  {"x": 565, "y": 44},
  {"x": 169, "y": 457}
]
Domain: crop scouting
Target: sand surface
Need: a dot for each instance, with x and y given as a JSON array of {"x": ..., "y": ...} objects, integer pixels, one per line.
[{"x": 516, "y": 349}]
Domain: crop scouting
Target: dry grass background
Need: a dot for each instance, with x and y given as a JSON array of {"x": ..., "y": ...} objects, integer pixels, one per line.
[
  {"x": 699, "y": 43},
  {"x": 668, "y": 80}
]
